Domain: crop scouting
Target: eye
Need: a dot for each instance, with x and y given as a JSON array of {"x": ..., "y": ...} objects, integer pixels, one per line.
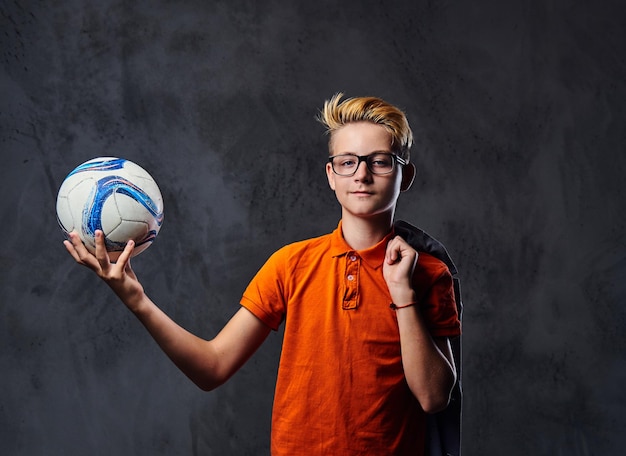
[
  {"x": 381, "y": 161},
  {"x": 346, "y": 161}
]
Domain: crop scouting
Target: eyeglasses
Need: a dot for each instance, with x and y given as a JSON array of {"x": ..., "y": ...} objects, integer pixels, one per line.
[{"x": 377, "y": 163}]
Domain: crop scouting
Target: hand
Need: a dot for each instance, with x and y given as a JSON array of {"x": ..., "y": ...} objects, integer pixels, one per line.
[
  {"x": 398, "y": 268},
  {"x": 119, "y": 275}
]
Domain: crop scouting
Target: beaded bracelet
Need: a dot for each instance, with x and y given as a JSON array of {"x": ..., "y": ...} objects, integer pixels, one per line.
[{"x": 395, "y": 307}]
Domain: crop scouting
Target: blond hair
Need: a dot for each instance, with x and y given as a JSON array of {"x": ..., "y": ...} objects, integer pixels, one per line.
[{"x": 336, "y": 113}]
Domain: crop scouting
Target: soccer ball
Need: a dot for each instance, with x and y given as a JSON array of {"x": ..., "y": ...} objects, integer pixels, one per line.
[{"x": 113, "y": 195}]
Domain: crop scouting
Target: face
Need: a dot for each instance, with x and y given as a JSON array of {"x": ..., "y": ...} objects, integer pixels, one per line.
[{"x": 365, "y": 194}]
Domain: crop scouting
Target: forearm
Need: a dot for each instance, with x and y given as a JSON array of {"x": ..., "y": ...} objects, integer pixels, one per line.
[
  {"x": 194, "y": 356},
  {"x": 208, "y": 363},
  {"x": 429, "y": 371}
]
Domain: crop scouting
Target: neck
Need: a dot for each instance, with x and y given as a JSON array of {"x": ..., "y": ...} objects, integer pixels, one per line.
[{"x": 363, "y": 233}]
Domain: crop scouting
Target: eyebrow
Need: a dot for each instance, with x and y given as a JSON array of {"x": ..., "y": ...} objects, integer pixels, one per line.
[{"x": 371, "y": 153}]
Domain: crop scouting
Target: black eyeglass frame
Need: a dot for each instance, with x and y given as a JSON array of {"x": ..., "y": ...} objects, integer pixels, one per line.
[{"x": 364, "y": 158}]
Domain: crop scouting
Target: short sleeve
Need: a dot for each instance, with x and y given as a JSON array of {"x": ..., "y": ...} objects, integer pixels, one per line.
[
  {"x": 435, "y": 289},
  {"x": 264, "y": 296}
]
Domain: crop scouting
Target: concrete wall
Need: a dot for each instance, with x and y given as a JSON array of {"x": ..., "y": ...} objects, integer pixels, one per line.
[{"x": 518, "y": 110}]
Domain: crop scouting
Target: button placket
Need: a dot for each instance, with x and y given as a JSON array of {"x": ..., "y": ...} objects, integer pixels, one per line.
[{"x": 351, "y": 281}]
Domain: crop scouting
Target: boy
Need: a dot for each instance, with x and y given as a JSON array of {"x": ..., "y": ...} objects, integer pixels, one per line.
[{"x": 367, "y": 320}]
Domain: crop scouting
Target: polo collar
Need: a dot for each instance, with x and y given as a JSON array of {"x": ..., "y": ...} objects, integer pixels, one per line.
[{"x": 373, "y": 256}]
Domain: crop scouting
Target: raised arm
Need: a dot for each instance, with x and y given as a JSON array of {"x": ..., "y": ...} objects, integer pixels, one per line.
[
  {"x": 428, "y": 362},
  {"x": 208, "y": 363}
]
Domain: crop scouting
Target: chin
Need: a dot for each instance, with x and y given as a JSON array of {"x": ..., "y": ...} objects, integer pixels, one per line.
[{"x": 371, "y": 213}]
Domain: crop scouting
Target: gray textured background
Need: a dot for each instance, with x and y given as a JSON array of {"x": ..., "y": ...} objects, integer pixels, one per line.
[{"x": 518, "y": 110}]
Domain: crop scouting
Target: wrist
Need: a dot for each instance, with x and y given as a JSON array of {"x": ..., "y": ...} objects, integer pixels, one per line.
[
  {"x": 402, "y": 297},
  {"x": 394, "y": 306},
  {"x": 134, "y": 299}
]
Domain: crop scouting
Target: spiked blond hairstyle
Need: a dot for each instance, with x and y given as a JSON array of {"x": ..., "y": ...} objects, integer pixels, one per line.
[{"x": 336, "y": 113}]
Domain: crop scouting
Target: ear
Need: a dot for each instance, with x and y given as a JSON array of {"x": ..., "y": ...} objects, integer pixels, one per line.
[
  {"x": 330, "y": 175},
  {"x": 408, "y": 175}
]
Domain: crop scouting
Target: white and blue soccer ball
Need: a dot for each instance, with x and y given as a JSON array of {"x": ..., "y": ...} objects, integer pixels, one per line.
[{"x": 113, "y": 195}]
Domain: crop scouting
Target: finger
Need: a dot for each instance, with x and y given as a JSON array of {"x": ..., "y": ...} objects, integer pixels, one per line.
[
  {"x": 72, "y": 251},
  {"x": 398, "y": 250},
  {"x": 101, "y": 251},
  {"x": 124, "y": 258},
  {"x": 75, "y": 240},
  {"x": 79, "y": 252},
  {"x": 78, "y": 246},
  {"x": 392, "y": 252},
  {"x": 401, "y": 242}
]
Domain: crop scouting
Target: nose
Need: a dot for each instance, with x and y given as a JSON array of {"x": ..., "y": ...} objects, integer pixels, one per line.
[{"x": 362, "y": 171}]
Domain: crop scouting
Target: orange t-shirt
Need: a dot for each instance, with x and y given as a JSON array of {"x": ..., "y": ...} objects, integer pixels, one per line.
[{"x": 341, "y": 388}]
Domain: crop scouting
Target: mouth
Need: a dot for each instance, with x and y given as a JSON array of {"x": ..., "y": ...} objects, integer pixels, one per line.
[{"x": 361, "y": 193}]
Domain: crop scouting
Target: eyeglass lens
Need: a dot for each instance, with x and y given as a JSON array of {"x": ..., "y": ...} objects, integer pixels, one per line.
[{"x": 347, "y": 164}]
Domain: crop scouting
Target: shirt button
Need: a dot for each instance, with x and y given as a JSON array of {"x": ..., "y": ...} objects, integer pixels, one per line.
[
  {"x": 352, "y": 257},
  {"x": 350, "y": 277}
]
